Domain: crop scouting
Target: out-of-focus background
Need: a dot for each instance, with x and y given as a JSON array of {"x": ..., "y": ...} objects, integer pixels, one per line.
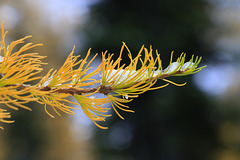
[{"x": 200, "y": 121}]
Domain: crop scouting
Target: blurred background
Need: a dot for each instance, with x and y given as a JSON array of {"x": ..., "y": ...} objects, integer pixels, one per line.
[{"x": 200, "y": 121}]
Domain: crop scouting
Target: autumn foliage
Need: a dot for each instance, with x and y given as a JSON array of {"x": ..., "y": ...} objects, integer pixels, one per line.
[{"x": 119, "y": 83}]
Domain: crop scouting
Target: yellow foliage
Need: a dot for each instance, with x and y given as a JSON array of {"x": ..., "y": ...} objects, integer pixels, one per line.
[{"x": 119, "y": 82}]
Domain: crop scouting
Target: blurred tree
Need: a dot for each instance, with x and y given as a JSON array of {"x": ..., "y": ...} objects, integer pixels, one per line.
[
  {"x": 172, "y": 123},
  {"x": 35, "y": 135}
]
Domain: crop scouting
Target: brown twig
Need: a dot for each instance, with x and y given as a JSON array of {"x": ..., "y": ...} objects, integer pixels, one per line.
[{"x": 99, "y": 89}]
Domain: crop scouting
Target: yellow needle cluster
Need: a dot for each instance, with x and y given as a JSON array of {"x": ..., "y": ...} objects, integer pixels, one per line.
[
  {"x": 119, "y": 82},
  {"x": 16, "y": 69}
]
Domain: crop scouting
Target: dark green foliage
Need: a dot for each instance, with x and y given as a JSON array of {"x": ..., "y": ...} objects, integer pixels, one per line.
[{"x": 173, "y": 123}]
